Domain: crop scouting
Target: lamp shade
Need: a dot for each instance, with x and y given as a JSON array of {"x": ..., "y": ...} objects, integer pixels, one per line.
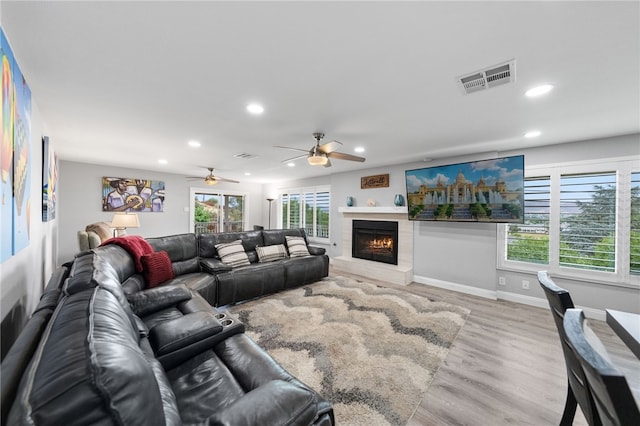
[{"x": 125, "y": 220}]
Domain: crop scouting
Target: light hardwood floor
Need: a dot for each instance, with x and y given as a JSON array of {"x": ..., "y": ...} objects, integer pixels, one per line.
[{"x": 506, "y": 367}]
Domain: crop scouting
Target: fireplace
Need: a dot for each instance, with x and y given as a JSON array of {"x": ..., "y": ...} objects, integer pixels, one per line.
[{"x": 375, "y": 240}]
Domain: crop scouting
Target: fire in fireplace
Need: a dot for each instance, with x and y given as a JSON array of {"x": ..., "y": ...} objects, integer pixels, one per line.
[{"x": 375, "y": 240}]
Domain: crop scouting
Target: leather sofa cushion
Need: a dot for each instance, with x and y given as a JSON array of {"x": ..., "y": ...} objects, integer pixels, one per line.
[
  {"x": 91, "y": 369},
  {"x": 182, "y": 250},
  {"x": 157, "y": 268}
]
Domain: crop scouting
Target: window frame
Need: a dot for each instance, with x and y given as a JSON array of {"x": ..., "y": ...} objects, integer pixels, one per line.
[
  {"x": 302, "y": 193},
  {"x": 219, "y": 192},
  {"x": 623, "y": 168}
]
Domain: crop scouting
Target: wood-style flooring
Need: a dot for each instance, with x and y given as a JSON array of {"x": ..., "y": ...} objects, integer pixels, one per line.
[{"x": 506, "y": 367}]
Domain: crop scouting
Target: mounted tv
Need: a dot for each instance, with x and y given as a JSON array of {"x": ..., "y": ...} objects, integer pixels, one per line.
[{"x": 479, "y": 191}]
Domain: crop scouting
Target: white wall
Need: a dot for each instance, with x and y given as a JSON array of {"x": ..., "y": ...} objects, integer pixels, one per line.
[
  {"x": 463, "y": 255},
  {"x": 80, "y": 202}
]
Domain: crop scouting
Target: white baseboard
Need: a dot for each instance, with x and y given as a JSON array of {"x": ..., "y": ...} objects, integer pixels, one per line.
[
  {"x": 592, "y": 313},
  {"x": 460, "y": 288}
]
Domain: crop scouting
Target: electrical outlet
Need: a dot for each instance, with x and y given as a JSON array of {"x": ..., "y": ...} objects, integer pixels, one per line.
[
  {"x": 525, "y": 284},
  {"x": 502, "y": 281}
]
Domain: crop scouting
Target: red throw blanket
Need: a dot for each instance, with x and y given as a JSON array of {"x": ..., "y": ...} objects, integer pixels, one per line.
[{"x": 135, "y": 245}]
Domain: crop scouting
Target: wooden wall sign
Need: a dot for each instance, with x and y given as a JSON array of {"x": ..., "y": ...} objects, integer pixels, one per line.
[{"x": 375, "y": 181}]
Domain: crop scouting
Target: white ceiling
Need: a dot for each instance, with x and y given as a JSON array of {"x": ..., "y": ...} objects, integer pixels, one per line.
[{"x": 128, "y": 83}]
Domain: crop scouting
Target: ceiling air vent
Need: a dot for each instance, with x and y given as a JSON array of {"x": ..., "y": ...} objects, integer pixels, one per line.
[
  {"x": 488, "y": 78},
  {"x": 245, "y": 156}
]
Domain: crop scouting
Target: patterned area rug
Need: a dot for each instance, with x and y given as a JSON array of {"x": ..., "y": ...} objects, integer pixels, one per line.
[{"x": 372, "y": 351}]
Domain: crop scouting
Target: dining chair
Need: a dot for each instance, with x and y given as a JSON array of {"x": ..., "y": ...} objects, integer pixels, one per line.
[
  {"x": 611, "y": 393},
  {"x": 577, "y": 391}
]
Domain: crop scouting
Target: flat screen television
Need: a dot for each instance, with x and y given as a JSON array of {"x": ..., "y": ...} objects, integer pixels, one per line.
[{"x": 478, "y": 191}]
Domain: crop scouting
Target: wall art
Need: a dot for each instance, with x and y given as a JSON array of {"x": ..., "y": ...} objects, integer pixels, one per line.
[{"x": 132, "y": 195}]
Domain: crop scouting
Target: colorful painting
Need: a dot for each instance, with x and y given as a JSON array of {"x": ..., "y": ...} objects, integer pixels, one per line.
[
  {"x": 132, "y": 195},
  {"x": 479, "y": 191},
  {"x": 49, "y": 180},
  {"x": 15, "y": 156}
]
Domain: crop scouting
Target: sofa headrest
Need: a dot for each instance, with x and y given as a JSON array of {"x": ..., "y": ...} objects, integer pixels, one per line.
[
  {"x": 179, "y": 247},
  {"x": 207, "y": 242},
  {"x": 89, "y": 369},
  {"x": 95, "y": 269},
  {"x": 277, "y": 236}
]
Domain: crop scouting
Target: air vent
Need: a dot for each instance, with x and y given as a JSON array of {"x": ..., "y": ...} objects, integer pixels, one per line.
[
  {"x": 245, "y": 156},
  {"x": 488, "y": 78}
]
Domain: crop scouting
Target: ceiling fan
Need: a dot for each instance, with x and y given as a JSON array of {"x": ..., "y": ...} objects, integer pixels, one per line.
[
  {"x": 211, "y": 179},
  {"x": 319, "y": 155}
]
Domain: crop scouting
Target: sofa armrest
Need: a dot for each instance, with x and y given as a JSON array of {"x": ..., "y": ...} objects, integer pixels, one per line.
[
  {"x": 276, "y": 402},
  {"x": 157, "y": 298},
  {"x": 316, "y": 251},
  {"x": 178, "y": 333},
  {"x": 214, "y": 266}
]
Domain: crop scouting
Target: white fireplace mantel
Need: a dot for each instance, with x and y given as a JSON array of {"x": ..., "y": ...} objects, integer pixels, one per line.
[{"x": 374, "y": 210}]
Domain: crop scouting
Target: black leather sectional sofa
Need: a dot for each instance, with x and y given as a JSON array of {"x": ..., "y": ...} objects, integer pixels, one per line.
[{"x": 101, "y": 348}]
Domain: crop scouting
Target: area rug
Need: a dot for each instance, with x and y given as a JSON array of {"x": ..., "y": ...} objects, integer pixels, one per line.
[{"x": 370, "y": 350}]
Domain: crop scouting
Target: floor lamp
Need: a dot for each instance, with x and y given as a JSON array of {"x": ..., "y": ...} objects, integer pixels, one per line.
[{"x": 270, "y": 200}]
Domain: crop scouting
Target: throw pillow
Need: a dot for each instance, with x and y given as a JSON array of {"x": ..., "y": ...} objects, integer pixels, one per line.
[
  {"x": 157, "y": 268},
  {"x": 297, "y": 246},
  {"x": 233, "y": 253},
  {"x": 271, "y": 253}
]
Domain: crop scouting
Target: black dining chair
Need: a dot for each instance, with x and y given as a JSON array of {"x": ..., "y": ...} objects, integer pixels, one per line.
[
  {"x": 577, "y": 391},
  {"x": 611, "y": 393}
]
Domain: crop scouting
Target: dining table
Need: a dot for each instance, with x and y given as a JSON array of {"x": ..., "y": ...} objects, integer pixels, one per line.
[{"x": 627, "y": 326}]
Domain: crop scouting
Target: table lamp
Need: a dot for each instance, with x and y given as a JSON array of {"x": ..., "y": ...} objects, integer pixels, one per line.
[{"x": 122, "y": 221}]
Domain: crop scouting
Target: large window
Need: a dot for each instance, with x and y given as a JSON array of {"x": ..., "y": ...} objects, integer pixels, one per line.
[
  {"x": 306, "y": 208},
  {"x": 581, "y": 221}
]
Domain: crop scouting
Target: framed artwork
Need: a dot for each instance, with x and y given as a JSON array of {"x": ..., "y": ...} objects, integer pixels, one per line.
[
  {"x": 49, "y": 180},
  {"x": 132, "y": 195},
  {"x": 477, "y": 191},
  {"x": 15, "y": 156}
]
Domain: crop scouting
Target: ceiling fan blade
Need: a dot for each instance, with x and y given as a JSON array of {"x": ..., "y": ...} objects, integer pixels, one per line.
[
  {"x": 343, "y": 156},
  {"x": 193, "y": 177},
  {"x": 219, "y": 179},
  {"x": 328, "y": 163},
  {"x": 329, "y": 146},
  {"x": 297, "y": 157},
  {"x": 288, "y": 147}
]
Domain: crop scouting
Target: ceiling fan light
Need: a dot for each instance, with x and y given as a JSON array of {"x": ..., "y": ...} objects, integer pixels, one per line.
[
  {"x": 317, "y": 160},
  {"x": 210, "y": 181}
]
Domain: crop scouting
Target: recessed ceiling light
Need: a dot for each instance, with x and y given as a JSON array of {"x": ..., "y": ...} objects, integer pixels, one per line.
[
  {"x": 194, "y": 144},
  {"x": 247, "y": 174},
  {"x": 291, "y": 164},
  {"x": 359, "y": 149},
  {"x": 255, "y": 108},
  {"x": 163, "y": 161},
  {"x": 538, "y": 90},
  {"x": 532, "y": 134}
]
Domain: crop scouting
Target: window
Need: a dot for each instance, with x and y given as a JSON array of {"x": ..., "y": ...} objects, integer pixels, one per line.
[
  {"x": 581, "y": 221},
  {"x": 306, "y": 208},
  {"x": 634, "y": 220},
  {"x": 529, "y": 242},
  {"x": 588, "y": 221},
  {"x": 214, "y": 211}
]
